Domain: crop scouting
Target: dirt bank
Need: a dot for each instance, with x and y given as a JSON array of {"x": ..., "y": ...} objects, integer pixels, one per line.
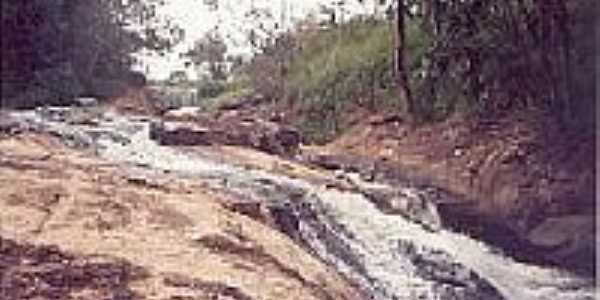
[{"x": 517, "y": 174}]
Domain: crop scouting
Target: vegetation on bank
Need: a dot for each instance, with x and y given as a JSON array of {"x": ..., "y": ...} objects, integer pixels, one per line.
[
  {"x": 426, "y": 60},
  {"x": 55, "y": 51},
  {"x": 466, "y": 57}
]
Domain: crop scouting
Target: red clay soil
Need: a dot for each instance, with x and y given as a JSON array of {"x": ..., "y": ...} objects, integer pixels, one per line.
[
  {"x": 520, "y": 173},
  {"x": 518, "y": 166}
]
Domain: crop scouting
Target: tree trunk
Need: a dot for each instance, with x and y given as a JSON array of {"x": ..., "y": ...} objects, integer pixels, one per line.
[
  {"x": 562, "y": 20},
  {"x": 399, "y": 51}
]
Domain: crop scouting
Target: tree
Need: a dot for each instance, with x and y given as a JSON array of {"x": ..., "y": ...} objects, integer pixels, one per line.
[
  {"x": 399, "y": 55},
  {"x": 491, "y": 55},
  {"x": 178, "y": 77},
  {"x": 55, "y": 50},
  {"x": 211, "y": 50}
]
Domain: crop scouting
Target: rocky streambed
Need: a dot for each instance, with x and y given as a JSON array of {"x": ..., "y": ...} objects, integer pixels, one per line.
[{"x": 402, "y": 252}]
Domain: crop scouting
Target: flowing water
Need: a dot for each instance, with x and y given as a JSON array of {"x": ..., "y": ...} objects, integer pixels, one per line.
[{"x": 386, "y": 256}]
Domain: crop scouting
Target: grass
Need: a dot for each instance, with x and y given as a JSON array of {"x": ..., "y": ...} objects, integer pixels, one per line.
[
  {"x": 332, "y": 70},
  {"x": 343, "y": 66},
  {"x": 335, "y": 62}
]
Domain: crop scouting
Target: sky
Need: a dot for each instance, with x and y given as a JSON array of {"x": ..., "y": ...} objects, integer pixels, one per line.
[{"x": 196, "y": 19}]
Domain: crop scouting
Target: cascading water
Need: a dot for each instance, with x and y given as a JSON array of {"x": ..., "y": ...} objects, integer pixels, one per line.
[{"x": 386, "y": 256}]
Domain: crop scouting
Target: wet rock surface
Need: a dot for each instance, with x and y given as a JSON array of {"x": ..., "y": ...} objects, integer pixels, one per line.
[
  {"x": 454, "y": 280},
  {"x": 180, "y": 134},
  {"x": 567, "y": 239},
  {"x": 9, "y": 126},
  {"x": 46, "y": 272},
  {"x": 232, "y": 130},
  {"x": 434, "y": 273}
]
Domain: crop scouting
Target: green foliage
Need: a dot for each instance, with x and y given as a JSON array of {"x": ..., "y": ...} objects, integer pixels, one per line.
[
  {"x": 66, "y": 49},
  {"x": 210, "y": 50},
  {"x": 346, "y": 65},
  {"x": 238, "y": 86},
  {"x": 488, "y": 58},
  {"x": 325, "y": 71},
  {"x": 210, "y": 89},
  {"x": 479, "y": 58},
  {"x": 339, "y": 58}
]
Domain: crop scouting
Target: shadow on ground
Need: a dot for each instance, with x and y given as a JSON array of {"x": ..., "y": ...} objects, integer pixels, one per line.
[{"x": 46, "y": 272}]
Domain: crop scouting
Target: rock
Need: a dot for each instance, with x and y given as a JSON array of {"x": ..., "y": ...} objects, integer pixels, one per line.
[
  {"x": 90, "y": 116},
  {"x": 180, "y": 134},
  {"x": 407, "y": 203},
  {"x": 73, "y": 138},
  {"x": 210, "y": 289},
  {"x": 48, "y": 272},
  {"x": 417, "y": 206},
  {"x": 9, "y": 126},
  {"x": 54, "y": 113},
  {"x": 155, "y": 130},
  {"x": 567, "y": 240},
  {"x": 454, "y": 279},
  {"x": 186, "y": 112},
  {"x": 334, "y": 162},
  {"x": 327, "y": 162},
  {"x": 390, "y": 118},
  {"x": 86, "y": 101},
  {"x": 253, "y": 209},
  {"x": 286, "y": 220},
  {"x": 365, "y": 167},
  {"x": 268, "y": 137},
  {"x": 280, "y": 141}
]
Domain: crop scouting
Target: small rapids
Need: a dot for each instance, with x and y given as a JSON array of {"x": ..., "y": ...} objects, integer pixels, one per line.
[{"x": 386, "y": 256}]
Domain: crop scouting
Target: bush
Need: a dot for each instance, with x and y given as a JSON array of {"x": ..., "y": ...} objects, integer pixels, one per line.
[{"x": 210, "y": 89}]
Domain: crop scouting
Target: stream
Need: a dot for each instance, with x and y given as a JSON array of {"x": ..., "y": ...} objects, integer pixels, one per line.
[{"x": 386, "y": 256}]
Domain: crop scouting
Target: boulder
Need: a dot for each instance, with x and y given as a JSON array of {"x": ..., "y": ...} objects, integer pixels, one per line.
[
  {"x": 454, "y": 280},
  {"x": 267, "y": 137},
  {"x": 55, "y": 113},
  {"x": 408, "y": 203},
  {"x": 73, "y": 138},
  {"x": 415, "y": 205},
  {"x": 567, "y": 240},
  {"x": 9, "y": 126},
  {"x": 280, "y": 141},
  {"x": 186, "y": 112},
  {"x": 180, "y": 134},
  {"x": 86, "y": 101}
]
